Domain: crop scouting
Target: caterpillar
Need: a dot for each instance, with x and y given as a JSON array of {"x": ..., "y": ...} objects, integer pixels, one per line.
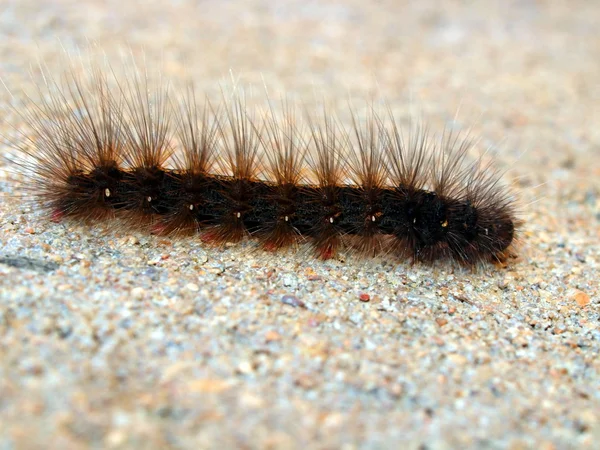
[{"x": 96, "y": 147}]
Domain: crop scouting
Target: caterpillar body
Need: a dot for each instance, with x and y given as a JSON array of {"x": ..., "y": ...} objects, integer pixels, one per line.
[{"x": 97, "y": 147}]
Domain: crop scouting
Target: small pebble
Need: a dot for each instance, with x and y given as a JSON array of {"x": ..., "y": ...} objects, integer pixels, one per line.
[
  {"x": 581, "y": 298},
  {"x": 272, "y": 336},
  {"x": 245, "y": 368},
  {"x": 192, "y": 287},
  {"x": 290, "y": 280},
  {"x": 292, "y": 300},
  {"x": 138, "y": 293}
]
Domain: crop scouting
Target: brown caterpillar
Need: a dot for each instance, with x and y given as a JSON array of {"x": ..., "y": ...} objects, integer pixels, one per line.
[{"x": 97, "y": 147}]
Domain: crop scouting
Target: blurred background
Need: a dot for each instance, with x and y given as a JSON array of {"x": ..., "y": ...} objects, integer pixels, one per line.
[{"x": 516, "y": 71}]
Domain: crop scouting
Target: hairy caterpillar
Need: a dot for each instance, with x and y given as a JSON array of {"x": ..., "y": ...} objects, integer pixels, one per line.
[{"x": 97, "y": 147}]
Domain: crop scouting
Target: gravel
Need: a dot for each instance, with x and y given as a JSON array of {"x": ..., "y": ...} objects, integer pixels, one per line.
[{"x": 112, "y": 338}]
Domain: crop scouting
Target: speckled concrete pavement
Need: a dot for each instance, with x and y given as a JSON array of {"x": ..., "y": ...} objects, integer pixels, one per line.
[{"x": 125, "y": 340}]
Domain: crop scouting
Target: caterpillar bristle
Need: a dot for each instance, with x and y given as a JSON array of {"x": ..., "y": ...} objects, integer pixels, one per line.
[
  {"x": 99, "y": 147},
  {"x": 324, "y": 205},
  {"x": 284, "y": 147},
  {"x": 146, "y": 121},
  {"x": 74, "y": 149},
  {"x": 234, "y": 210},
  {"x": 197, "y": 133},
  {"x": 369, "y": 173}
]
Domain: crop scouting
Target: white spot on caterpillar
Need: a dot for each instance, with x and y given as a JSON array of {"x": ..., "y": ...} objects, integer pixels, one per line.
[
  {"x": 415, "y": 220},
  {"x": 149, "y": 199},
  {"x": 107, "y": 192},
  {"x": 486, "y": 232},
  {"x": 373, "y": 218},
  {"x": 331, "y": 220},
  {"x": 191, "y": 207},
  {"x": 444, "y": 224},
  {"x": 238, "y": 215},
  {"x": 286, "y": 218}
]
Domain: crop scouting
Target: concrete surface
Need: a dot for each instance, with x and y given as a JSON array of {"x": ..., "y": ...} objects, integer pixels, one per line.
[{"x": 125, "y": 340}]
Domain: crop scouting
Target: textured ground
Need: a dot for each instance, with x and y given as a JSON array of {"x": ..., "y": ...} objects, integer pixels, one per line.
[{"x": 133, "y": 341}]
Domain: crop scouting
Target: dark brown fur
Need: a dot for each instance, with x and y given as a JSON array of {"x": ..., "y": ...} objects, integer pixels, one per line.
[{"x": 99, "y": 147}]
